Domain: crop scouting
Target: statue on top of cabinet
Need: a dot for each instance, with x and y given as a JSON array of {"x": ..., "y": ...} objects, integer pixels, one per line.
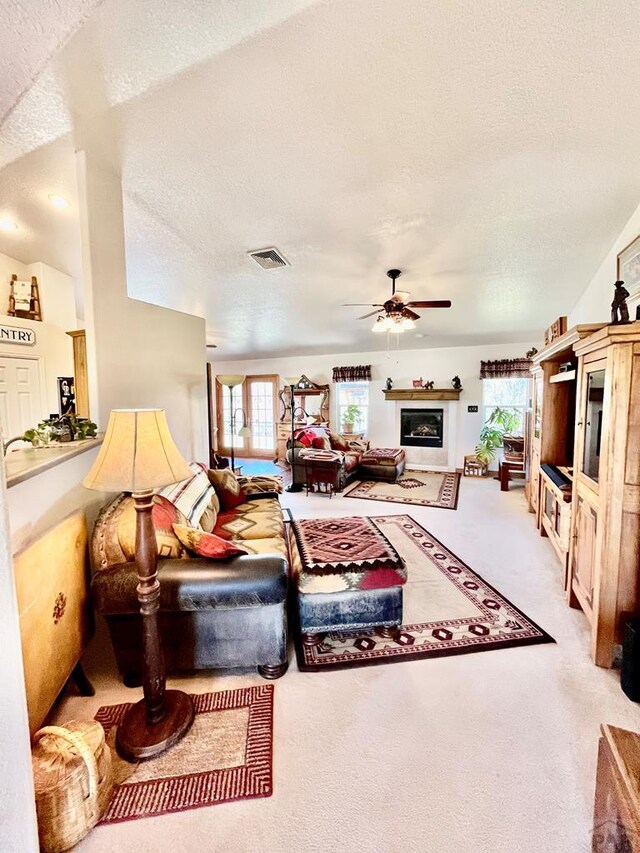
[{"x": 619, "y": 307}]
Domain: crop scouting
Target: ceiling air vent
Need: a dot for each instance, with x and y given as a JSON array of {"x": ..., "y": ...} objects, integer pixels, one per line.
[{"x": 269, "y": 259}]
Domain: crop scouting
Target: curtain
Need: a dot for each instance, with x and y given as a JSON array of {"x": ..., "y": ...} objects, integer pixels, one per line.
[
  {"x": 358, "y": 373},
  {"x": 505, "y": 368}
]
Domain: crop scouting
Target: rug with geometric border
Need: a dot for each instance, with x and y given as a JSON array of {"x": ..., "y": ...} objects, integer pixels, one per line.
[
  {"x": 448, "y": 609},
  {"x": 226, "y": 755},
  {"x": 422, "y": 488}
]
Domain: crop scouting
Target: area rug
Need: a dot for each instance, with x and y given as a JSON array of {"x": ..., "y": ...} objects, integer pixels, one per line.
[
  {"x": 423, "y": 488},
  {"x": 226, "y": 755},
  {"x": 448, "y": 610}
]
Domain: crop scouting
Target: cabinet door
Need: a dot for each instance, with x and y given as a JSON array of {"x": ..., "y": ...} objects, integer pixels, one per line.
[
  {"x": 591, "y": 413},
  {"x": 584, "y": 553}
]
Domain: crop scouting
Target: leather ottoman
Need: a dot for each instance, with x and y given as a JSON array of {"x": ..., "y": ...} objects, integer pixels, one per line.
[
  {"x": 382, "y": 463},
  {"x": 349, "y": 577}
]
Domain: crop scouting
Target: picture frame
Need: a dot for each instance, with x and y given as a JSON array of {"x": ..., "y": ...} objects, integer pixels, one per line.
[
  {"x": 555, "y": 330},
  {"x": 628, "y": 270},
  {"x": 628, "y": 265},
  {"x": 66, "y": 395}
]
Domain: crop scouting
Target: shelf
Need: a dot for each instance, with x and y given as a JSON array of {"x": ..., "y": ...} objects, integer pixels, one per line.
[
  {"x": 422, "y": 394},
  {"x": 566, "y": 376}
]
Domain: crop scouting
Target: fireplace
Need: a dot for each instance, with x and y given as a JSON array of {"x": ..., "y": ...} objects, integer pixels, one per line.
[{"x": 421, "y": 427}]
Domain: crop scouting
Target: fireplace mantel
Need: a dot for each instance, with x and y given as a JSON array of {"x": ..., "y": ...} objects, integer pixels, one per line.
[{"x": 423, "y": 394}]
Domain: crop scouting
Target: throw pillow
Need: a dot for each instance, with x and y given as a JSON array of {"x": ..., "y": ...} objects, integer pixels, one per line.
[
  {"x": 207, "y": 544},
  {"x": 191, "y": 496},
  {"x": 321, "y": 442},
  {"x": 337, "y": 443},
  {"x": 228, "y": 489},
  {"x": 163, "y": 514}
]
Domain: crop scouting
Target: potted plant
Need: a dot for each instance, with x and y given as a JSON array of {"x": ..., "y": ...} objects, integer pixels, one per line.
[
  {"x": 349, "y": 417},
  {"x": 500, "y": 423}
]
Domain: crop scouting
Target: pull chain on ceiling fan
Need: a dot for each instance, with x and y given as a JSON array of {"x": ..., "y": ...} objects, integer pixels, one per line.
[{"x": 395, "y": 315}]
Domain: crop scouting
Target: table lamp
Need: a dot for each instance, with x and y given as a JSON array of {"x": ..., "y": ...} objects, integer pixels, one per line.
[{"x": 138, "y": 456}]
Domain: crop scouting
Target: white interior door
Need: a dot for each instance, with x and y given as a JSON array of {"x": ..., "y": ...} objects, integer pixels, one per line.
[{"x": 20, "y": 395}]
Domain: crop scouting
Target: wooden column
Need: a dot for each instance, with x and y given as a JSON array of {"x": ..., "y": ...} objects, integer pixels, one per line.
[{"x": 81, "y": 379}]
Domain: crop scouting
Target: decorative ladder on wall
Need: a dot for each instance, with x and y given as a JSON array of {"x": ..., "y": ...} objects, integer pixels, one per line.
[{"x": 34, "y": 312}]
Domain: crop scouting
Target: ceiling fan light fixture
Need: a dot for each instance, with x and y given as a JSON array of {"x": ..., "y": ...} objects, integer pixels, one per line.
[
  {"x": 396, "y": 327},
  {"x": 379, "y": 325},
  {"x": 407, "y": 324}
]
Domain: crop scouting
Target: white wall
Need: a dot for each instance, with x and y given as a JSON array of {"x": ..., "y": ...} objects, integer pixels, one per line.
[
  {"x": 595, "y": 303},
  {"x": 56, "y": 290},
  {"x": 439, "y": 365},
  {"x": 138, "y": 355}
]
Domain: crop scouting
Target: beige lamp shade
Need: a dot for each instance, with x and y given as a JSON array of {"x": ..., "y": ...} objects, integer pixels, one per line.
[
  {"x": 291, "y": 380},
  {"x": 137, "y": 453},
  {"x": 230, "y": 380},
  {"x": 244, "y": 432}
]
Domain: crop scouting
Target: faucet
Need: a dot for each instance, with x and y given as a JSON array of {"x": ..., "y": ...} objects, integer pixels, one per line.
[{"x": 6, "y": 444}]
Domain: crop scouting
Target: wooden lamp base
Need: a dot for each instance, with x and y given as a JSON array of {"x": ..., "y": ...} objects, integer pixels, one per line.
[{"x": 138, "y": 740}]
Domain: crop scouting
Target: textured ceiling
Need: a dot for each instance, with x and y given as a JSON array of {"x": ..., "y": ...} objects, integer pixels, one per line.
[
  {"x": 492, "y": 155},
  {"x": 30, "y": 35}
]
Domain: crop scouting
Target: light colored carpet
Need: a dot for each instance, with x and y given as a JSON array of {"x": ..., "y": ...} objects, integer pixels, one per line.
[
  {"x": 420, "y": 488},
  {"x": 488, "y": 752}
]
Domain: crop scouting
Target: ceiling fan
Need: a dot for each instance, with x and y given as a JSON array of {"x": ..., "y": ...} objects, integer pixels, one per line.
[{"x": 395, "y": 315}]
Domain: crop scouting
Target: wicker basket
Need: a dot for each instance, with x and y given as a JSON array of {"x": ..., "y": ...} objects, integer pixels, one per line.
[{"x": 73, "y": 780}]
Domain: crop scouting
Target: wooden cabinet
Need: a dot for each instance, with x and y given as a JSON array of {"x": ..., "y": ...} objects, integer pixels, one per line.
[
  {"x": 283, "y": 431},
  {"x": 583, "y": 553},
  {"x": 55, "y": 613},
  {"x": 605, "y": 551},
  {"x": 616, "y": 813},
  {"x": 555, "y": 519}
]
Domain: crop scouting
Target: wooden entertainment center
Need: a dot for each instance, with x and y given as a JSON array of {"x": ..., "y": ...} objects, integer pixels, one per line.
[{"x": 584, "y": 471}]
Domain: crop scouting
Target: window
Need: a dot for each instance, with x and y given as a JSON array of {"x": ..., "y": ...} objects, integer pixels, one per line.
[
  {"x": 512, "y": 394},
  {"x": 354, "y": 393}
]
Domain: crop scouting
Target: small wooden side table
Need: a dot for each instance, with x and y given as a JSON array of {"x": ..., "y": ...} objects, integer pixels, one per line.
[
  {"x": 322, "y": 472},
  {"x": 616, "y": 815}
]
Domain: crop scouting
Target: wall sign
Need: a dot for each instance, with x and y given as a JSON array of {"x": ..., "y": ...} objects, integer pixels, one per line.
[
  {"x": 472, "y": 408},
  {"x": 15, "y": 335}
]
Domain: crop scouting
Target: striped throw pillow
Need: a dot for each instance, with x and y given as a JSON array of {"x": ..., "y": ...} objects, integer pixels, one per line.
[{"x": 191, "y": 496}]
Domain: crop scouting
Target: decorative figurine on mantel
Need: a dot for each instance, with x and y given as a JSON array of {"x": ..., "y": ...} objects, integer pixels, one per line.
[
  {"x": 619, "y": 307},
  {"x": 531, "y": 352},
  {"x": 389, "y": 384},
  {"x": 418, "y": 383},
  {"x": 457, "y": 384},
  {"x": 428, "y": 386}
]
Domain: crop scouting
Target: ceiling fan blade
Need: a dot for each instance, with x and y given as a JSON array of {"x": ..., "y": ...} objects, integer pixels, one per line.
[
  {"x": 410, "y": 315},
  {"x": 370, "y": 314},
  {"x": 430, "y": 303},
  {"x": 361, "y": 304}
]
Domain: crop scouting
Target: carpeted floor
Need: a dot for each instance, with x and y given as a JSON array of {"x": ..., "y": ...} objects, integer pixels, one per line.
[
  {"x": 421, "y": 488},
  {"x": 448, "y": 610},
  {"x": 481, "y": 752},
  {"x": 226, "y": 755}
]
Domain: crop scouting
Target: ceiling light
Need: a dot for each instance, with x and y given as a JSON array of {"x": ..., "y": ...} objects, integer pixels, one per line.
[
  {"x": 8, "y": 225},
  {"x": 59, "y": 201},
  {"x": 407, "y": 324},
  {"x": 396, "y": 326},
  {"x": 379, "y": 325}
]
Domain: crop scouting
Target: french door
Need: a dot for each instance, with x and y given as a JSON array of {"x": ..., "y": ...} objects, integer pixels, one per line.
[{"x": 254, "y": 403}]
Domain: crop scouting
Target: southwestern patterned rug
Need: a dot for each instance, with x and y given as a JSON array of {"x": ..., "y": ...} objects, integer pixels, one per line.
[
  {"x": 424, "y": 488},
  {"x": 226, "y": 755},
  {"x": 448, "y": 610}
]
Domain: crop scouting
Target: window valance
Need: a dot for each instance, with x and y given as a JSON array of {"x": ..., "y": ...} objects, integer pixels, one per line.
[
  {"x": 505, "y": 368},
  {"x": 357, "y": 373}
]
